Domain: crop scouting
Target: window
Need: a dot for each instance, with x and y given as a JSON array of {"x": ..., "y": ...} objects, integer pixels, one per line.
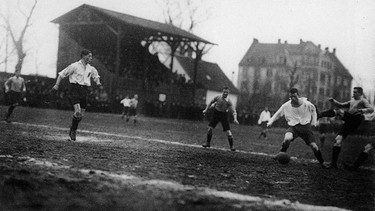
[
  {"x": 338, "y": 80},
  {"x": 322, "y": 77},
  {"x": 345, "y": 82},
  {"x": 269, "y": 72},
  {"x": 321, "y": 91}
]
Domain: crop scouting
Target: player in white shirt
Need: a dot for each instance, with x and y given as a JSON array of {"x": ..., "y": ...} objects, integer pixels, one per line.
[
  {"x": 301, "y": 116},
  {"x": 126, "y": 106},
  {"x": 80, "y": 74},
  {"x": 264, "y": 118},
  {"x": 133, "y": 103}
]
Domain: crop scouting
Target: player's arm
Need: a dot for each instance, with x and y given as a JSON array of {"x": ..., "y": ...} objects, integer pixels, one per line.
[
  {"x": 23, "y": 86},
  {"x": 57, "y": 84},
  {"x": 62, "y": 74},
  {"x": 209, "y": 105},
  {"x": 314, "y": 116},
  {"x": 234, "y": 113},
  {"x": 95, "y": 76},
  {"x": 367, "y": 107},
  {"x": 260, "y": 118},
  {"x": 7, "y": 85},
  {"x": 339, "y": 104},
  {"x": 276, "y": 116}
]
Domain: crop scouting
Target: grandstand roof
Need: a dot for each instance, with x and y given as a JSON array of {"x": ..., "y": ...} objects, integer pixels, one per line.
[
  {"x": 148, "y": 27},
  {"x": 209, "y": 75}
]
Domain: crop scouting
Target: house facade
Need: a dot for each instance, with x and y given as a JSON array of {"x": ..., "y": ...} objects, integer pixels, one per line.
[{"x": 268, "y": 70}]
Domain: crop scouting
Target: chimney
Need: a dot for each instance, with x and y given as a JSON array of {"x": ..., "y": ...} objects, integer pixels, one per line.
[
  {"x": 327, "y": 50},
  {"x": 278, "y": 41},
  {"x": 300, "y": 41},
  {"x": 319, "y": 46},
  {"x": 255, "y": 41},
  {"x": 286, "y": 42},
  {"x": 334, "y": 51}
]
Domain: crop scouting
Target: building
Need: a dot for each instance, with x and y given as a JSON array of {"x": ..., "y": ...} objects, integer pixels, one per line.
[
  {"x": 268, "y": 70},
  {"x": 210, "y": 78}
]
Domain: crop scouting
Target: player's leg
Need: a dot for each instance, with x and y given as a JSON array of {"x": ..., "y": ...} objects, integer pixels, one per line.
[
  {"x": 14, "y": 102},
  {"x": 9, "y": 112},
  {"x": 288, "y": 138},
  {"x": 265, "y": 131},
  {"x": 123, "y": 112},
  {"x": 361, "y": 158},
  {"x": 336, "y": 149},
  {"x": 306, "y": 133},
  {"x": 135, "y": 116},
  {"x": 213, "y": 122},
  {"x": 261, "y": 132},
  {"x": 351, "y": 123},
  {"x": 77, "y": 117},
  {"x": 230, "y": 140},
  {"x": 317, "y": 153},
  {"x": 209, "y": 137},
  {"x": 327, "y": 113},
  {"x": 226, "y": 128}
]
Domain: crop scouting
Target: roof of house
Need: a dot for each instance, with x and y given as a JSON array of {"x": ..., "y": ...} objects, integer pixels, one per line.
[
  {"x": 339, "y": 66},
  {"x": 209, "y": 75},
  {"x": 148, "y": 26}
]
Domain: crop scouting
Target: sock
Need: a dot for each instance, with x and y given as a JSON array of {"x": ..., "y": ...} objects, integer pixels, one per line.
[
  {"x": 335, "y": 153},
  {"x": 75, "y": 121},
  {"x": 230, "y": 140},
  {"x": 209, "y": 137},
  {"x": 360, "y": 160},
  {"x": 284, "y": 147},
  {"x": 327, "y": 113},
  {"x": 10, "y": 111},
  {"x": 318, "y": 156}
]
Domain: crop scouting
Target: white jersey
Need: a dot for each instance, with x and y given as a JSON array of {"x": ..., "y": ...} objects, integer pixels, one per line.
[
  {"x": 125, "y": 102},
  {"x": 265, "y": 116},
  {"x": 304, "y": 114},
  {"x": 80, "y": 74}
]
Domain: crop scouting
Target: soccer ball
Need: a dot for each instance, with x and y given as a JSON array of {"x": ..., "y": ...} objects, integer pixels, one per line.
[{"x": 283, "y": 157}]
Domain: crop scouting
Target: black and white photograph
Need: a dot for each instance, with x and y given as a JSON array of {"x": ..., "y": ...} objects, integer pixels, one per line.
[{"x": 187, "y": 105}]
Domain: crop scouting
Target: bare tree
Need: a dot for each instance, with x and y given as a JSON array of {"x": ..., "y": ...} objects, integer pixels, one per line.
[
  {"x": 186, "y": 14},
  {"x": 18, "y": 41}
]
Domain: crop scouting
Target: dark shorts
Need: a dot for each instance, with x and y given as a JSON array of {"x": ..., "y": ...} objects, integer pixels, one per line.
[
  {"x": 323, "y": 127},
  {"x": 264, "y": 125},
  {"x": 351, "y": 123},
  {"x": 132, "y": 111},
  {"x": 222, "y": 117},
  {"x": 125, "y": 109},
  {"x": 14, "y": 97},
  {"x": 303, "y": 131},
  {"x": 78, "y": 95}
]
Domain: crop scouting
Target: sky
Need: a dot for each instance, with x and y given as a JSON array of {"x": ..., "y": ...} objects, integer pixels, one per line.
[{"x": 346, "y": 25}]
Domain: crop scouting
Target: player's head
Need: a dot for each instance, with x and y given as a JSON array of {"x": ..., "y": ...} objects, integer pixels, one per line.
[
  {"x": 266, "y": 108},
  {"x": 293, "y": 95},
  {"x": 86, "y": 55},
  {"x": 225, "y": 91},
  {"x": 357, "y": 92},
  {"x": 135, "y": 96}
]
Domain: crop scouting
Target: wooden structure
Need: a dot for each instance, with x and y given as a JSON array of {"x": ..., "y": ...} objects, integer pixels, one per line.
[{"x": 120, "y": 45}]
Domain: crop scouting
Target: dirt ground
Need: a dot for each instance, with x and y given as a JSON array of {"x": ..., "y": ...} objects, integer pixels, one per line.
[{"x": 159, "y": 165}]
